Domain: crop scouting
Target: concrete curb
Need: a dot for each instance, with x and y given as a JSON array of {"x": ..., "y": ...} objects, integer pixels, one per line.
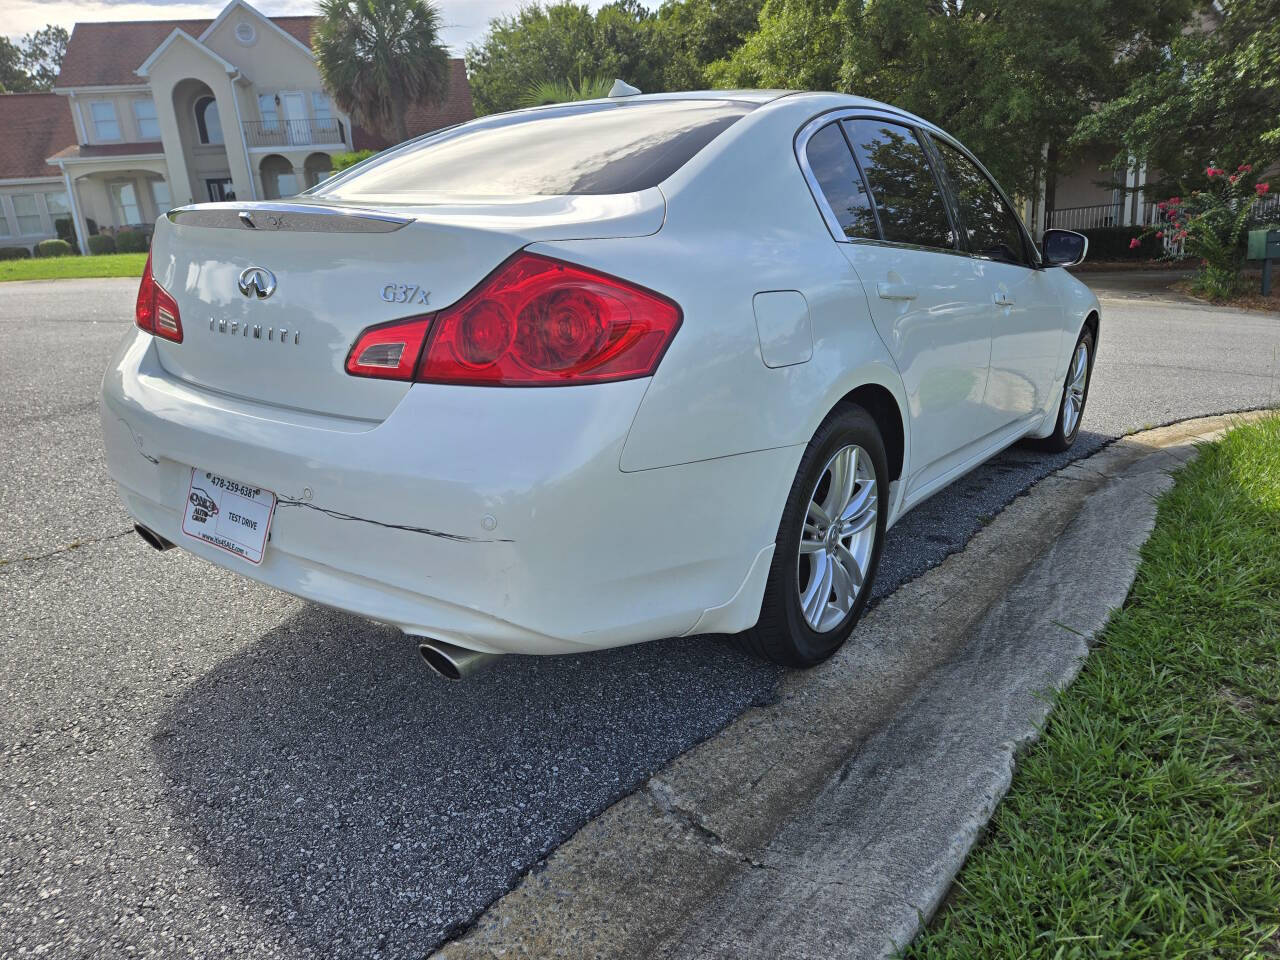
[{"x": 832, "y": 822}]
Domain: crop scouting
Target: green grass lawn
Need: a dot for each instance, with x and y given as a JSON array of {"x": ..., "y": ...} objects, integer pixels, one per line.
[
  {"x": 1146, "y": 821},
  {"x": 60, "y": 268}
]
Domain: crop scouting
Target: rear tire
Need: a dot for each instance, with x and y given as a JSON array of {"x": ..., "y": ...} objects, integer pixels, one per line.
[
  {"x": 828, "y": 544},
  {"x": 1075, "y": 393}
]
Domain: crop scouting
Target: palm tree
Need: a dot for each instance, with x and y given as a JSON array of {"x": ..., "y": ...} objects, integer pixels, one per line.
[
  {"x": 376, "y": 57},
  {"x": 546, "y": 92}
]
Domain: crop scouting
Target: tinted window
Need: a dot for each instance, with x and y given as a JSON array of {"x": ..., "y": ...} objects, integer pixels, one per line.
[
  {"x": 902, "y": 184},
  {"x": 833, "y": 167},
  {"x": 602, "y": 148},
  {"x": 992, "y": 228}
]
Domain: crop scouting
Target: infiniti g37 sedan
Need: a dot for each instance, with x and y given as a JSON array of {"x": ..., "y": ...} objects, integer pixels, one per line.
[{"x": 586, "y": 375}]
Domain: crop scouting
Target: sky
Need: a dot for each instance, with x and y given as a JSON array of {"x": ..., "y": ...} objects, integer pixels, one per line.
[{"x": 465, "y": 20}]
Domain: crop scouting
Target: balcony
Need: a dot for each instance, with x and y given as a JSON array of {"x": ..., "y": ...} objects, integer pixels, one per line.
[{"x": 295, "y": 133}]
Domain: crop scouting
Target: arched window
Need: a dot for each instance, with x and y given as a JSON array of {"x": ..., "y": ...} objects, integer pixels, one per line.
[
  {"x": 278, "y": 178},
  {"x": 318, "y": 167},
  {"x": 208, "y": 123}
]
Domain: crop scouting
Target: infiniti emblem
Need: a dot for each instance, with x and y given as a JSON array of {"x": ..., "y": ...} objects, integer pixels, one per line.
[{"x": 257, "y": 282}]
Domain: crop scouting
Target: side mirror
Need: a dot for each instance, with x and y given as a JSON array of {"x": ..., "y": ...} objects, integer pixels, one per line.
[{"x": 1064, "y": 248}]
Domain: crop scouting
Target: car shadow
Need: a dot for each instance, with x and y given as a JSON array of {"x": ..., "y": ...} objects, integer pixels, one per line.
[
  {"x": 344, "y": 793},
  {"x": 363, "y": 806}
]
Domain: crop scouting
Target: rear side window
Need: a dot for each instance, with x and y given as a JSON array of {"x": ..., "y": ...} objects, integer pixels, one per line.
[
  {"x": 992, "y": 228},
  {"x": 595, "y": 149},
  {"x": 903, "y": 187},
  {"x": 833, "y": 167}
]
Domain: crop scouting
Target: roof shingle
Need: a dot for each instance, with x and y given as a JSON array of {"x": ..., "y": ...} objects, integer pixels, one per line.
[{"x": 36, "y": 126}]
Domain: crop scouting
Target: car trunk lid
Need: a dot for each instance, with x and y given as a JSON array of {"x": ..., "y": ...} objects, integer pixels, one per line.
[{"x": 273, "y": 295}]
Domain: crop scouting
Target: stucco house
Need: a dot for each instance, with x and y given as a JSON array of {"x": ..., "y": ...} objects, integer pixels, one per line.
[{"x": 149, "y": 115}]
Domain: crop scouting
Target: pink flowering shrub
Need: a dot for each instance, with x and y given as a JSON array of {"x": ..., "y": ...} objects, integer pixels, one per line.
[{"x": 1210, "y": 223}]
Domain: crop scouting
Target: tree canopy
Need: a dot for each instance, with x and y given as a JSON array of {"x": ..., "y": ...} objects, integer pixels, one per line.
[
  {"x": 1027, "y": 84},
  {"x": 564, "y": 43},
  {"x": 1212, "y": 96},
  {"x": 34, "y": 61},
  {"x": 376, "y": 57},
  {"x": 1007, "y": 77}
]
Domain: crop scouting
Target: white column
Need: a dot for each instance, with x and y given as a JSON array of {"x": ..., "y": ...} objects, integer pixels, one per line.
[
  {"x": 1140, "y": 197},
  {"x": 77, "y": 220}
]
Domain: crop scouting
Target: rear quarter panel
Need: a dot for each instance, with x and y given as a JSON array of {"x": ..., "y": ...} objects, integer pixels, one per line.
[{"x": 740, "y": 221}]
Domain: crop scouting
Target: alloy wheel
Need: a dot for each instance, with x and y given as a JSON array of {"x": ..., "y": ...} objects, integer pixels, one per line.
[
  {"x": 837, "y": 538},
  {"x": 1073, "y": 395}
]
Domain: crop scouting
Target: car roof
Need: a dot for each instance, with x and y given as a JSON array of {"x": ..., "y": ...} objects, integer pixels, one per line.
[{"x": 817, "y": 99}]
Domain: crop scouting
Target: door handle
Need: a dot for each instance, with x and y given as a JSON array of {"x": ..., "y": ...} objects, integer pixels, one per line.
[
  {"x": 896, "y": 291},
  {"x": 1002, "y": 299}
]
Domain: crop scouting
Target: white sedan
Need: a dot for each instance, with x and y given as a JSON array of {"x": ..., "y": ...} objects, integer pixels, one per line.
[{"x": 592, "y": 374}]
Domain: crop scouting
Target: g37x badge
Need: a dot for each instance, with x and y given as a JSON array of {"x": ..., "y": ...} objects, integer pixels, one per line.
[{"x": 405, "y": 293}]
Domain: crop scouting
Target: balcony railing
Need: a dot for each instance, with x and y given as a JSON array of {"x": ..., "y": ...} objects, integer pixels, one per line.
[{"x": 294, "y": 133}]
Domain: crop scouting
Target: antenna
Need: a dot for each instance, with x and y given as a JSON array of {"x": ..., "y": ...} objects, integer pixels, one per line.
[{"x": 621, "y": 88}]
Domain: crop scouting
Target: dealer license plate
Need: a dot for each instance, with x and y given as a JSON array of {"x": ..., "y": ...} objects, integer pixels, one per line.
[{"x": 228, "y": 514}]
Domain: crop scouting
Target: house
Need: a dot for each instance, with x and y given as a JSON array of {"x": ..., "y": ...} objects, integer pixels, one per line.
[{"x": 150, "y": 115}]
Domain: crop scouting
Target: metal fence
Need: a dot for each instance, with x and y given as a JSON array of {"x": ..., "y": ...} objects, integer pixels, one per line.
[{"x": 293, "y": 133}]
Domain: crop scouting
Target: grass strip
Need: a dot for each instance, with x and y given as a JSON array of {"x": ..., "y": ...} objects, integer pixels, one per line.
[
  {"x": 1144, "y": 822},
  {"x": 66, "y": 268}
]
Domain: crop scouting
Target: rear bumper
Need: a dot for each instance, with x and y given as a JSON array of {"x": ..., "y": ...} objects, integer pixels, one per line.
[{"x": 547, "y": 546}]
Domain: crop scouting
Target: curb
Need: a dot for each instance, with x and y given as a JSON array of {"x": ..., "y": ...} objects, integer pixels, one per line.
[{"x": 832, "y": 822}]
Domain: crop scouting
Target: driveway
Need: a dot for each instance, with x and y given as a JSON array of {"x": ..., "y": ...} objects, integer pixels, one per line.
[{"x": 194, "y": 765}]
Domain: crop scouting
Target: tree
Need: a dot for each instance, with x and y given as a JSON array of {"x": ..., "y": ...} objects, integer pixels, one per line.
[
  {"x": 42, "y": 54},
  {"x": 376, "y": 57},
  {"x": 557, "y": 43},
  {"x": 566, "y": 91},
  {"x": 562, "y": 43},
  {"x": 692, "y": 34},
  {"x": 1008, "y": 77},
  {"x": 1213, "y": 96},
  {"x": 13, "y": 79}
]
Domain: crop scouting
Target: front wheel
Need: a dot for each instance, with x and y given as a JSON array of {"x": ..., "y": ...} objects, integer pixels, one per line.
[
  {"x": 828, "y": 544},
  {"x": 1075, "y": 393}
]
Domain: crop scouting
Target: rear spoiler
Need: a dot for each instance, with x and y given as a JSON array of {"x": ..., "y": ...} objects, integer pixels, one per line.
[{"x": 294, "y": 217}]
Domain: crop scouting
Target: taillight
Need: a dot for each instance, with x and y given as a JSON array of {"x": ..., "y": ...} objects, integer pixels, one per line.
[
  {"x": 534, "y": 321},
  {"x": 389, "y": 350},
  {"x": 156, "y": 311}
]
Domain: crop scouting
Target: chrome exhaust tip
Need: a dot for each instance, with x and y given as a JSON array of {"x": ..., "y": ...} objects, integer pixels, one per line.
[
  {"x": 451, "y": 661},
  {"x": 154, "y": 539}
]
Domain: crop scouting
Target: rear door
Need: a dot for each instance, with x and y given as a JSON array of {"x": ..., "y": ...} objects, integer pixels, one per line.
[
  {"x": 926, "y": 300},
  {"x": 1026, "y": 317}
]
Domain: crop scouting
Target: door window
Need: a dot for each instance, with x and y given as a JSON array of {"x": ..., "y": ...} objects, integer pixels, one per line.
[
  {"x": 270, "y": 113},
  {"x": 126, "y": 200},
  {"x": 905, "y": 192},
  {"x": 220, "y": 189},
  {"x": 992, "y": 229},
  {"x": 842, "y": 186}
]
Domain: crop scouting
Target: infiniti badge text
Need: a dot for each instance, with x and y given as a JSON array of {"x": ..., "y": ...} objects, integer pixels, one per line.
[{"x": 235, "y": 327}]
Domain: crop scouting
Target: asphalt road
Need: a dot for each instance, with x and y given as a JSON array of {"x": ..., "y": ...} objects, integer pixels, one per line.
[{"x": 193, "y": 765}]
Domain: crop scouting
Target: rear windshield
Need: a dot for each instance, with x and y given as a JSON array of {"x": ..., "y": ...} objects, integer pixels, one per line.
[{"x": 601, "y": 148}]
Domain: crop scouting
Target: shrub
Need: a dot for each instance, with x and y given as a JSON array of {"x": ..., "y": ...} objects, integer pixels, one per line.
[
  {"x": 102, "y": 243},
  {"x": 1211, "y": 224},
  {"x": 132, "y": 241},
  {"x": 1115, "y": 243},
  {"x": 343, "y": 160},
  {"x": 53, "y": 248},
  {"x": 66, "y": 232},
  {"x": 14, "y": 253}
]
